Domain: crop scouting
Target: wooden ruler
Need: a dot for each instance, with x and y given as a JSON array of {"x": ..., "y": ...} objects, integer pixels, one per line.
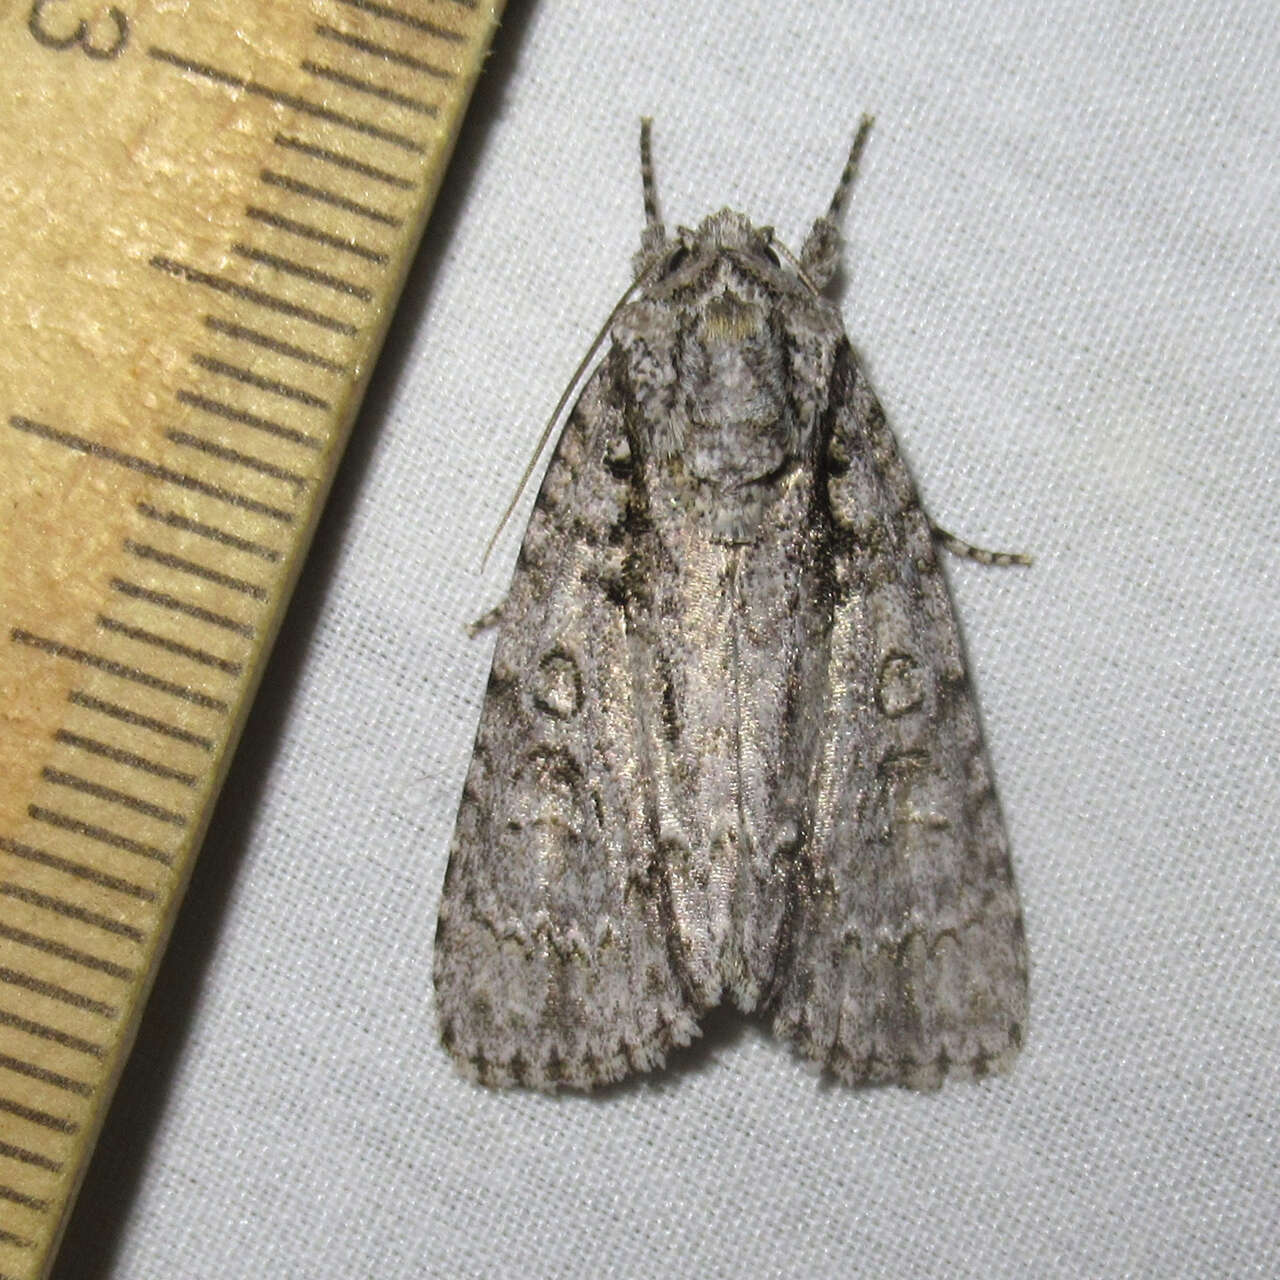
[{"x": 206, "y": 214}]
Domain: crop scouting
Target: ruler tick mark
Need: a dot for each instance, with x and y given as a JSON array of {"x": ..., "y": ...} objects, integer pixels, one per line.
[
  {"x": 247, "y": 460},
  {"x": 57, "y": 650},
  {"x": 44, "y": 902},
  {"x": 259, "y": 297},
  {"x": 128, "y": 759},
  {"x": 42, "y": 1032},
  {"x": 54, "y": 991},
  {"x": 126, "y": 715},
  {"x": 148, "y": 468},
  {"x": 73, "y": 782},
  {"x": 370, "y": 87},
  {"x": 70, "y": 954},
  {"x": 77, "y": 870},
  {"x": 175, "y": 520},
  {"x": 59, "y": 1124},
  {"x": 228, "y": 412},
  {"x": 341, "y": 161},
  {"x": 291, "y": 100},
  {"x": 175, "y": 647},
  {"x": 385, "y": 52},
  {"x": 101, "y": 835},
  {"x": 56, "y": 1078},
  {"x": 237, "y": 373},
  {"x": 305, "y": 231},
  {"x": 23, "y": 1156},
  {"x": 410, "y": 20},
  {"x": 323, "y": 195},
  {"x": 162, "y": 600},
  {"x": 242, "y": 333},
  {"x": 144, "y": 551},
  {"x": 312, "y": 275},
  {"x": 26, "y": 1201}
]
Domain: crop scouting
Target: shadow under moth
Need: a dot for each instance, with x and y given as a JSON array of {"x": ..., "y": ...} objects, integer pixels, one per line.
[{"x": 728, "y": 749}]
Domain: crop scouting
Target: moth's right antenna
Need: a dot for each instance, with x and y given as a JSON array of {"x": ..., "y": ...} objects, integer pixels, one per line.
[
  {"x": 654, "y": 238},
  {"x": 652, "y": 244},
  {"x": 820, "y": 253},
  {"x": 559, "y": 409}
]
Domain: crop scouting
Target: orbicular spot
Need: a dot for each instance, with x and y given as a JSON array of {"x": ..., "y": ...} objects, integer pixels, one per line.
[
  {"x": 901, "y": 685},
  {"x": 838, "y": 459},
  {"x": 557, "y": 687},
  {"x": 619, "y": 460}
]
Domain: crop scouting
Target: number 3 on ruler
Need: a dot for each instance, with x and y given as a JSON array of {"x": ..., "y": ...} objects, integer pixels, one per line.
[{"x": 80, "y": 35}]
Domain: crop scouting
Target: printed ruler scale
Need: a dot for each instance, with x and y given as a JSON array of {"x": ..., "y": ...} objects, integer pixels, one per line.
[{"x": 208, "y": 212}]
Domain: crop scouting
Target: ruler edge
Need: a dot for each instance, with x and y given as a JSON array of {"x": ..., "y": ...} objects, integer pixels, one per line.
[{"x": 489, "y": 14}]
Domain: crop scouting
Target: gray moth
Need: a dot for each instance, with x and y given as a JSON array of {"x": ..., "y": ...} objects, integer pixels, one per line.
[{"x": 729, "y": 750}]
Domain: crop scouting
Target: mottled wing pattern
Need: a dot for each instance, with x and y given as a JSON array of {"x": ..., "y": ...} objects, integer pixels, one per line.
[
  {"x": 906, "y": 955},
  {"x": 551, "y": 961}
]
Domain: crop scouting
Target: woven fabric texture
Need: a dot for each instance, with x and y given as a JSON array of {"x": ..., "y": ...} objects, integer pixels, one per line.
[{"x": 1063, "y": 274}]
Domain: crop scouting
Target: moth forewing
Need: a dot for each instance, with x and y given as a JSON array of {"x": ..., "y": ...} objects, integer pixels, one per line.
[{"x": 728, "y": 749}]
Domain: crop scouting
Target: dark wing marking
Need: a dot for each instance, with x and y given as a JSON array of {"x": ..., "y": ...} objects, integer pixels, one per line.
[
  {"x": 552, "y": 963},
  {"x": 906, "y": 954}
]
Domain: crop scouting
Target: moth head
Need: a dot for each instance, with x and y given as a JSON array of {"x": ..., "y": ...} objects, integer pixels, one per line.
[
  {"x": 725, "y": 233},
  {"x": 661, "y": 258}
]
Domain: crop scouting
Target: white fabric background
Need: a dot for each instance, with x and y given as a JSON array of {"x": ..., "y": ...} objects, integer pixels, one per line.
[{"x": 1063, "y": 277}]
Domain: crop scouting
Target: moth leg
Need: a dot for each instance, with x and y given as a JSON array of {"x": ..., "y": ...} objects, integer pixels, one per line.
[
  {"x": 958, "y": 547},
  {"x": 488, "y": 619}
]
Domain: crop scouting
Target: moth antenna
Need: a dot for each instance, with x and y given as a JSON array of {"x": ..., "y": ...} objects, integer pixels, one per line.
[
  {"x": 558, "y": 410},
  {"x": 836, "y": 207},
  {"x": 654, "y": 237},
  {"x": 820, "y": 253},
  {"x": 795, "y": 262}
]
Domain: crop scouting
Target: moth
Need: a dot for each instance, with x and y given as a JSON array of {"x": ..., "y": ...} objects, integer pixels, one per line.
[{"x": 729, "y": 750}]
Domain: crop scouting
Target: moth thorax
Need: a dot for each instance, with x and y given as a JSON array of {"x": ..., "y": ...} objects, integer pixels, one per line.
[
  {"x": 737, "y": 374},
  {"x": 728, "y": 319}
]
